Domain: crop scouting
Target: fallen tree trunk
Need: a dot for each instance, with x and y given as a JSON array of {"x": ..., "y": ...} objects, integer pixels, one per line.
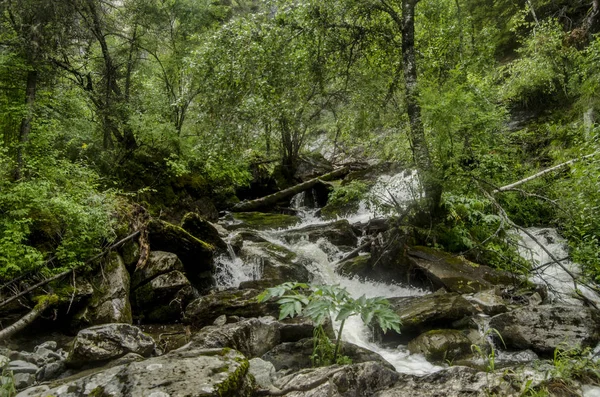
[
  {"x": 37, "y": 311},
  {"x": 541, "y": 173},
  {"x": 276, "y": 197}
]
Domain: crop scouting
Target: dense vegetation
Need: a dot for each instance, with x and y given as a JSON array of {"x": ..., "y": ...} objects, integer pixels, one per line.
[{"x": 163, "y": 102}]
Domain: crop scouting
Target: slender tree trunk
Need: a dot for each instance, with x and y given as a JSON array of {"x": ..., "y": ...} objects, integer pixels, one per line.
[
  {"x": 593, "y": 16},
  {"x": 417, "y": 132},
  {"x": 25, "y": 129}
]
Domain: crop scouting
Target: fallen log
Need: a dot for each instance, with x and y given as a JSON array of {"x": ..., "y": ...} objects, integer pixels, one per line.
[
  {"x": 27, "y": 319},
  {"x": 272, "y": 199}
]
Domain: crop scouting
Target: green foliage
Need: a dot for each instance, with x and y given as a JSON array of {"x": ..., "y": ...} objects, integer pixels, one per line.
[
  {"x": 345, "y": 199},
  {"x": 575, "y": 364},
  {"x": 320, "y": 303},
  {"x": 58, "y": 211},
  {"x": 489, "y": 358},
  {"x": 7, "y": 384}
]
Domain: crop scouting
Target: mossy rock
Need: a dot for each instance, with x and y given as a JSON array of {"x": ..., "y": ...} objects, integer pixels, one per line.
[
  {"x": 195, "y": 254},
  {"x": 339, "y": 233},
  {"x": 260, "y": 221},
  {"x": 455, "y": 274},
  {"x": 357, "y": 266},
  {"x": 441, "y": 345},
  {"x": 202, "y": 229}
]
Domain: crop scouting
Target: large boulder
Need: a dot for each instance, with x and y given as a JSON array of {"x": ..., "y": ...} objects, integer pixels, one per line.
[
  {"x": 455, "y": 274},
  {"x": 195, "y": 254},
  {"x": 233, "y": 302},
  {"x": 294, "y": 356},
  {"x": 96, "y": 345},
  {"x": 252, "y": 337},
  {"x": 543, "y": 328},
  {"x": 181, "y": 373},
  {"x": 339, "y": 233},
  {"x": 274, "y": 261},
  {"x": 109, "y": 302},
  {"x": 455, "y": 381},
  {"x": 259, "y": 221},
  {"x": 160, "y": 289},
  {"x": 424, "y": 313},
  {"x": 356, "y": 380},
  {"x": 441, "y": 345},
  {"x": 199, "y": 227}
]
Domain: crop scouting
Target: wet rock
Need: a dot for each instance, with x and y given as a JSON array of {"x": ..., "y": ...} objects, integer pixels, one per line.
[
  {"x": 50, "y": 371},
  {"x": 50, "y": 345},
  {"x": 356, "y": 380},
  {"x": 23, "y": 381},
  {"x": 110, "y": 299},
  {"x": 339, "y": 233},
  {"x": 424, "y": 313},
  {"x": 259, "y": 221},
  {"x": 455, "y": 274},
  {"x": 107, "y": 342},
  {"x": 455, "y": 381},
  {"x": 252, "y": 337},
  {"x": 502, "y": 359},
  {"x": 300, "y": 327},
  {"x": 195, "y": 254},
  {"x": 441, "y": 345},
  {"x": 22, "y": 367},
  {"x": 263, "y": 372},
  {"x": 163, "y": 299},
  {"x": 543, "y": 328},
  {"x": 34, "y": 391},
  {"x": 199, "y": 227},
  {"x": 159, "y": 262},
  {"x": 294, "y": 356},
  {"x": 276, "y": 262},
  {"x": 232, "y": 302},
  {"x": 488, "y": 302},
  {"x": 358, "y": 266},
  {"x": 186, "y": 372}
]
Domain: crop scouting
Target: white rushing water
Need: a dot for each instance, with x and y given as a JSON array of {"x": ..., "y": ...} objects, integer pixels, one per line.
[
  {"x": 554, "y": 275},
  {"x": 322, "y": 256}
]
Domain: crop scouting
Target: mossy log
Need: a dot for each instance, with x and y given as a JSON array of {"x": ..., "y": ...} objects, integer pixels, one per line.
[{"x": 273, "y": 199}]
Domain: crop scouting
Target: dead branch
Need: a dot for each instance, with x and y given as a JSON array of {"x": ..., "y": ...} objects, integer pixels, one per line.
[
  {"x": 21, "y": 324},
  {"x": 541, "y": 173},
  {"x": 63, "y": 274},
  {"x": 274, "y": 198}
]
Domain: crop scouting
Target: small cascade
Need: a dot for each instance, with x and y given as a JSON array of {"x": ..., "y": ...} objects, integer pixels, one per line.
[
  {"x": 554, "y": 275},
  {"x": 230, "y": 270}
]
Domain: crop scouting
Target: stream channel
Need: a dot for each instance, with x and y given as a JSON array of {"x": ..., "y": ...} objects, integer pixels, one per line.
[{"x": 322, "y": 257}]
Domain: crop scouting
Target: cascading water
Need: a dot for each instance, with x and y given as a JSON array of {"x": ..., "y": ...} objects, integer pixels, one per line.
[
  {"x": 558, "y": 277},
  {"x": 321, "y": 257}
]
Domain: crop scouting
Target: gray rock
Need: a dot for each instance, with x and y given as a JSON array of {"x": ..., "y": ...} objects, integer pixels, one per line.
[
  {"x": 22, "y": 367},
  {"x": 452, "y": 382},
  {"x": 276, "y": 262},
  {"x": 50, "y": 345},
  {"x": 232, "y": 302},
  {"x": 424, "y": 313},
  {"x": 263, "y": 372},
  {"x": 252, "y": 337},
  {"x": 488, "y": 302},
  {"x": 453, "y": 273},
  {"x": 46, "y": 355},
  {"x": 441, "y": 345},
  {"x": 51, "y": 371},
  {"x": 23, "y": 380},
  {"x": 34, "y": 391},
  {"x": 163, "y": 298},
  {"x": 543, "y": 328},
  {"x": 199, "y": 227},
  {"x": 356, "y": 380},
  {"x": 182, "y": 373},
  {"x": 106, "y": 342},
  {"x": 221, "y": 320},
  {"x": 110, "y": 300},
  {"x": 159, "y": 262}
]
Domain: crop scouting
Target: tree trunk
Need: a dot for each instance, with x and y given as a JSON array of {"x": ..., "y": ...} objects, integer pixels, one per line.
[
  {"x": 593, "y": 16},
  {"x": 421, "y": 156},
  {"x": 25, "y": 129},
  {"x": 20, "y": 325}
]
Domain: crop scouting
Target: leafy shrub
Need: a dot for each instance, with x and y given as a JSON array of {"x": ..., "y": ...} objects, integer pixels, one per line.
[
  {"x": 320, "y": 302},
  {"x": 345, "y": 199}
]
